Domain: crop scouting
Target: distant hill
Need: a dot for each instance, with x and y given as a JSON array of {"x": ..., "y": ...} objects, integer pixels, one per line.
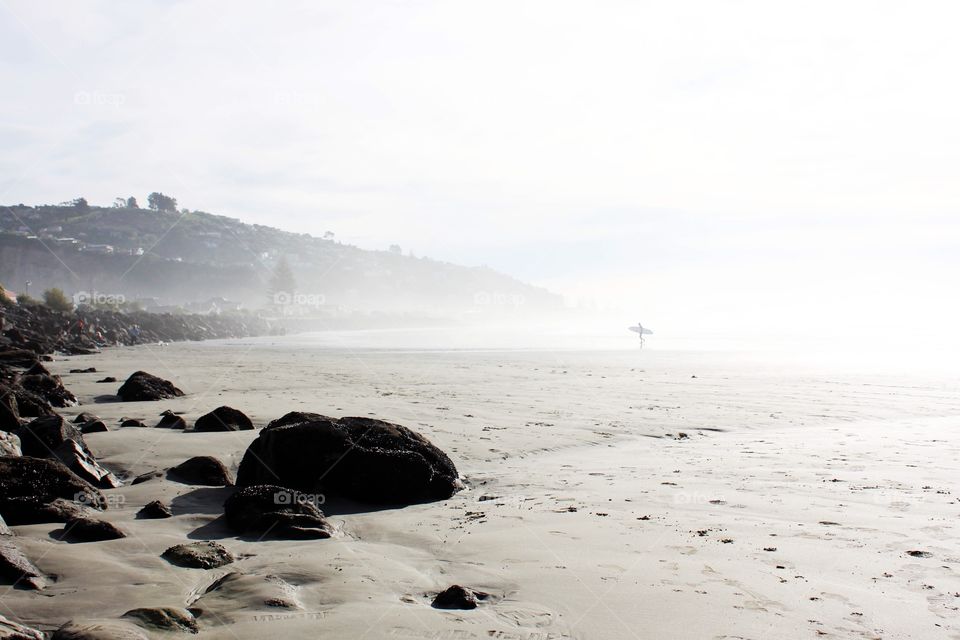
[{"x": 180, "y": 257}]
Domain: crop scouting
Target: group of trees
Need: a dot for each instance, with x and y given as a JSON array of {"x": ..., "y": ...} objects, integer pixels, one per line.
[{"x": 156, "y": 201}]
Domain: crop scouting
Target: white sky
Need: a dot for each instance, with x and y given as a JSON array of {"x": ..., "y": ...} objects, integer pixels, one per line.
[{"x": 766, "y": 165}]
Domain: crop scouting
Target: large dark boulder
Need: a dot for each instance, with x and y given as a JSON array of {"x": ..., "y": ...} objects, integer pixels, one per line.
[
  {"x": 357, "y": 458},
  {"x": 223, "y": 419},
  {"x": 144, "y": 386},
  {"x": 30, "y": 488},
  {"x": 50, "y": 388},
  {"x": 276, "y": 511},
  {"x": 205, "y": 470}
]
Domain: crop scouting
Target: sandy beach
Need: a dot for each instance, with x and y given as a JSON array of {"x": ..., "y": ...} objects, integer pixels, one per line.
[{"x": 610, "y": 494}]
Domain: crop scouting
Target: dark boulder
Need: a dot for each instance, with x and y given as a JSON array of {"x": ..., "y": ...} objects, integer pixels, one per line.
[
  {"x": 164, "y": 619},
  {"x": 83, "y": 529},
  {"x": 54, "y": 437},
  {"x": 154, "y": 510},
  {"x": 358, "y": 458},
  {"x": 223, "y": 419},
  {"x": 29, "y": 404},
  {"x": 41, "y": 437},
  {"x": 50, "y": 388},
  {"x": 78, "y": 459},
  {"x": 107, "y": 379},
  {"x": 276, "y": 511},
  {"x": 30, "y": 487},
  {"x": 87, "y": 370},
  {"x": 198, "y": 555},
  {"x": 205, "y": 470},
  {"x": 85, "y": 417},
  {"x": 141, "y": 386},
  {"x": 457, "y": 597},
  {"x": 17, "y": 570},
  {"x": 130, "y": 422},
  {"x": 170, "y": 420},
  {"x": 94, "y": 426}
]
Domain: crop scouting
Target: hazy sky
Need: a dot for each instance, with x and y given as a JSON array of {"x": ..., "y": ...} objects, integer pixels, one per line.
[{"x": 756, "y": 164}]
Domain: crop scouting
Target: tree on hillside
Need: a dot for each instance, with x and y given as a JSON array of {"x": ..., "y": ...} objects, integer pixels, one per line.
[
  {"x": 395, "y": 249},
  {"x": 328, "y": 235},
  {"x": 159, "y": 202},
  {"x": 80, "y": 204},
  {"x": 57, "y": 300},
  {"x": 132, "y": 203},
  {"x": 282, "y": 284}
]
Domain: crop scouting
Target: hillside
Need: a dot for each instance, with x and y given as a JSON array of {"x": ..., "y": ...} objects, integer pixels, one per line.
[{"x": 181, "y": 257}]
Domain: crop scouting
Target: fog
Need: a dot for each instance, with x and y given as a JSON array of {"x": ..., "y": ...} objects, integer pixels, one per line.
[{"x": 723, "y": 172}]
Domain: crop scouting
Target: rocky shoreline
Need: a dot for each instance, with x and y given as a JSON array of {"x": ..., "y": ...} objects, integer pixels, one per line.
[{"x": 48, "y": 473}]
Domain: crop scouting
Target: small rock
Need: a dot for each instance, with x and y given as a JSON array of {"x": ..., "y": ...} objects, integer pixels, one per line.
[
  {"x": 94, "y": 426},
  {"x": 142, "y": 386},
  {"x": 154, "y": 510},
  {"x": 87, "y": 370},
  {"x": 107, "y": 379},
  {"x": 165, "y": 618},
  {"x": 89, "y": 530},
  {"x": 170, "y": 420},
  {"x": 85, "y": 417},
  {"x": 205, "y": 470},
  {"x": 920, "y": 554},
  {"x": 223, "y": 419},
  {"x": 276, "y": 511},
  {"x": 198, "y": 555},
  {"x": 130, "y": 422},
  {"x": 457, "y": 597}
]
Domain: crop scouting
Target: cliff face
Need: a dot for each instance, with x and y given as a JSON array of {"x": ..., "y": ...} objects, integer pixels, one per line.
[{"x": 180, "y": 256}]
